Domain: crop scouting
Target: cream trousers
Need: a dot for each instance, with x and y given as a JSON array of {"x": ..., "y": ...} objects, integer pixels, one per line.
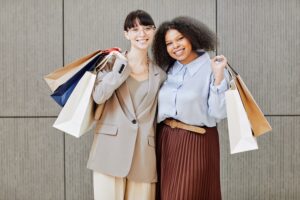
[{"x": 115, "y": 188}]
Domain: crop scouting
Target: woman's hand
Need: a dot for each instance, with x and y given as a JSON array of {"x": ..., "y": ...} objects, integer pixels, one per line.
[
  {"x": 119, "y": 55},
  {"x": 218, "y": 63}
]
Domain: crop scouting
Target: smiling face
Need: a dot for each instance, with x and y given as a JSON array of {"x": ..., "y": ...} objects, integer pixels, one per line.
[
  {"x": 179, "y": 47},
  {"x": 140, "y": 36}
]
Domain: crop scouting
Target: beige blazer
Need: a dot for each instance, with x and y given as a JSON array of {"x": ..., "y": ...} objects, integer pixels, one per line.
[{"x": 124, "y": 140}]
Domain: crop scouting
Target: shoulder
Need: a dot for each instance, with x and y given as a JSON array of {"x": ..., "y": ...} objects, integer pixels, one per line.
[{"x": 159, "y": 71}]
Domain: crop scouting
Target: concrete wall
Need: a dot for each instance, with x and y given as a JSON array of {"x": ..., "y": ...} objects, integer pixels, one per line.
[{"x": 37, "y": 162}]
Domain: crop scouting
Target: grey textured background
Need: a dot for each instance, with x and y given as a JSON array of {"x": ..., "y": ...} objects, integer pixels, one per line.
[{"x": 259, "y": 37}]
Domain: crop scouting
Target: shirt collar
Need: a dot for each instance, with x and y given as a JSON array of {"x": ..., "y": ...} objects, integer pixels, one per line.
[
  {"x": 193, "y": 66},
  {"x": 177, "y": 67}
]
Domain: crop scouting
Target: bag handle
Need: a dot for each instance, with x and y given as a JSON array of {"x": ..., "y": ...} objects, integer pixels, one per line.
[
  {"x": 231, "y": 71},
  {"x": 103, "y": 62},
  {"x": 233, "y": 74}
]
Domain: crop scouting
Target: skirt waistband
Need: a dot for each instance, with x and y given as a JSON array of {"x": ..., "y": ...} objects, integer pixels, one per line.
[{"x": 178, "y": 124}]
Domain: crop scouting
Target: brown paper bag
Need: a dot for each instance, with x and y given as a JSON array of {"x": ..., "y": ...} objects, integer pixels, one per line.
[
  {"x": 61, "y": 75},
  {"x": 259, "y": 124}
]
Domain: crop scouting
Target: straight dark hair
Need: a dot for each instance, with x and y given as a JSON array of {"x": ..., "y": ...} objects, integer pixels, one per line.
[{"x": 138, "y": 17}]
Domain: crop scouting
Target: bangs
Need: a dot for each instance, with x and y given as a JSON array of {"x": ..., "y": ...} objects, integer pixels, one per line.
[{"x": 138, "y": 18}]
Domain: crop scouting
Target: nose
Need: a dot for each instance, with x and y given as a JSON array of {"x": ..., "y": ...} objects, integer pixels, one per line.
[
  {"x": 175, "y": 45},
  {"x": 141, "y": 32}
]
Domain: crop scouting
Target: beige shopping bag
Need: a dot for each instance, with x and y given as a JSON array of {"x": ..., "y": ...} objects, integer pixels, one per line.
[
  {"x": 77, "y": 116},
  {"x": 61, "y": 75},
  {"x": 259, "y": 123}
]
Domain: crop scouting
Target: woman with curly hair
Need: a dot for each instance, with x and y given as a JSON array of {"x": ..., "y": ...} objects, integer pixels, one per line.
[{"x": 190, "y": 104}]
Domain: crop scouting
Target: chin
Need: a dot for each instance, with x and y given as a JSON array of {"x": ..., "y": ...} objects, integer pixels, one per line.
[
  {"x": 142, "y": 47},
  {"x": 180, "y": 58}
]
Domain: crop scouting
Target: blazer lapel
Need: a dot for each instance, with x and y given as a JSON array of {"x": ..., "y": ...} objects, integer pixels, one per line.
[
  {"x": 125, "y": 100},
  {"x": 152, "y": 89}
]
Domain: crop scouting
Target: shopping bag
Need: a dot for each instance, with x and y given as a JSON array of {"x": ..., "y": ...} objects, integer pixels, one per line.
[
  {"x": 63, "y": 92},
  {"x": 239, "y": 128},
  {"x": 259, "y": 123},
  {"x": 77, "y": 116},
  {"x": 61, "y": 75}
]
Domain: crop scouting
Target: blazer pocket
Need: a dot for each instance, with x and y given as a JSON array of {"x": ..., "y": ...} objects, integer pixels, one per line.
[
  {"x": 107, "y": 129},
  {"x": 151, "y": 141}
]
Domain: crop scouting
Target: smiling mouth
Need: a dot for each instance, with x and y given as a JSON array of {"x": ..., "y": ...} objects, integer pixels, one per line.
[
  {"x": 178, "y": 52},
  {"x": 142, "y": 40}
]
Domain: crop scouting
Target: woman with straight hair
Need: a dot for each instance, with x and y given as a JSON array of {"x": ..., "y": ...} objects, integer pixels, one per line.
[
  {"x": 123, "y": 152},
  {"x": 190, "y": 104}
]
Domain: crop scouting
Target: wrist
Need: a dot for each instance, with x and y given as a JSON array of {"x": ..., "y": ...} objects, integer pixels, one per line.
[{"x": 218, "y": 79}]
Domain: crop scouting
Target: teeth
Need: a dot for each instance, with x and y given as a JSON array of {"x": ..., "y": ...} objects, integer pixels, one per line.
[
  {"x": 142, "y": 40},
  {"x": 179, "y": 52}
]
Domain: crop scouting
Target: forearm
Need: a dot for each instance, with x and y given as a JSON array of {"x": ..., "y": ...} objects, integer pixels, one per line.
[
  {"x": 108, "y": 82},
  {"x": 216, "y": 100},
  {"x": 217, "y": 105}
]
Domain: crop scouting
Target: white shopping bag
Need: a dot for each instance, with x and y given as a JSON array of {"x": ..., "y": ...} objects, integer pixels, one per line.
[
  {"x": 77, "y": 116},
  {"x": 239, "y": 128}
]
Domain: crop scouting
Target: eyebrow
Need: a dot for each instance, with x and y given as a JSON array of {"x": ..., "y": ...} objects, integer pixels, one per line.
[{"x": 177, "y": 36}]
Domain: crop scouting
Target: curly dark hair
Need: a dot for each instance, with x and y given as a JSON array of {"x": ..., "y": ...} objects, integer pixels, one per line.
[{"x": 199, "y": 35}]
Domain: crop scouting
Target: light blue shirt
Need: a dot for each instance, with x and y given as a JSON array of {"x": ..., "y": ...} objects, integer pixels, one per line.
[{"x": 190, "y": 96}]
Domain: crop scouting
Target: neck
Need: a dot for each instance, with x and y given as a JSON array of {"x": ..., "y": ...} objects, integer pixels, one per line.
[
  {"x": 137, "y": 58},
  {"x": 193, "y": 55}
]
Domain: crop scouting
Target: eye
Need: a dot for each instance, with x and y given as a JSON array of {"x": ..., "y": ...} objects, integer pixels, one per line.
[
  {"x": 180, "y": 38},
  {"x": 135, "y": 29},
  {"x": 168, "y": 43}
]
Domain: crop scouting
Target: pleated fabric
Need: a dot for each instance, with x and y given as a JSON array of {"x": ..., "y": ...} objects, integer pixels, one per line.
[{"x": 188, "y": 164}]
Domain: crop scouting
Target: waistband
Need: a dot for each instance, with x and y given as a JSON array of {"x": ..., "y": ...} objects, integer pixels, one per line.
[{"x": 178, "y": 124}]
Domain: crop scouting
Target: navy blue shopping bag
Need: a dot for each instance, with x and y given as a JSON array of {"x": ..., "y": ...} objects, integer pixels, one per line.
[{"x": 63, "y": 92}]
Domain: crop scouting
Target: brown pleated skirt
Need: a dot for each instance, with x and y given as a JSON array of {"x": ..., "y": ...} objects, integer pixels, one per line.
[{"x": 188, "y": 164}]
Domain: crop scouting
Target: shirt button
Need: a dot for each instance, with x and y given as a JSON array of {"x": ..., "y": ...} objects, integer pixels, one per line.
[{"x": 133, "y": 121}]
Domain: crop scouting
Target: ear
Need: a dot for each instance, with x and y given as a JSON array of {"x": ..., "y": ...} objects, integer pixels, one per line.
[{"x": 126, "y": 35}]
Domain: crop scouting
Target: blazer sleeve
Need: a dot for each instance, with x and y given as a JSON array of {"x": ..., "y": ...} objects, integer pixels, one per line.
[{"x": 108, "y": 81}]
